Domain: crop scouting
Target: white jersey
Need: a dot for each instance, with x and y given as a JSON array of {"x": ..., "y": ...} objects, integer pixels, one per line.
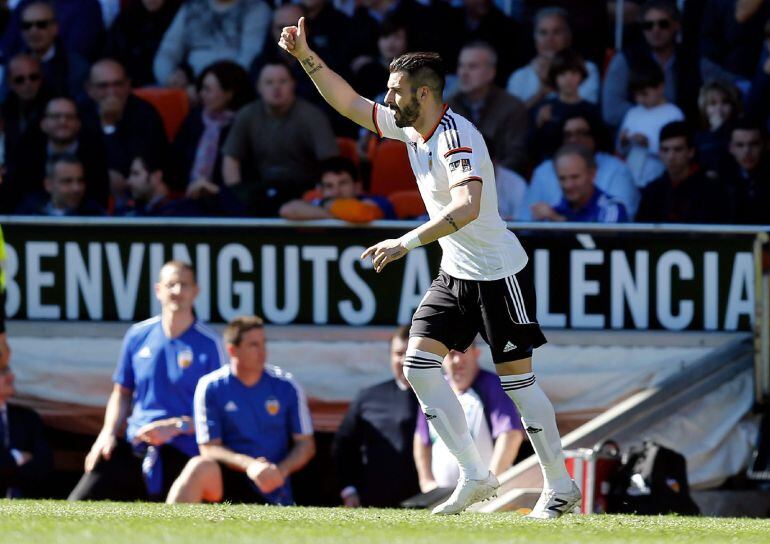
[{"x": 453, "y": 154}]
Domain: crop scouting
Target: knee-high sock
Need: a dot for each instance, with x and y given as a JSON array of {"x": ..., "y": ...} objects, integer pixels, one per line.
[
  {"x": 443, "y": 410},
  {"x": 539, "y": 421}
]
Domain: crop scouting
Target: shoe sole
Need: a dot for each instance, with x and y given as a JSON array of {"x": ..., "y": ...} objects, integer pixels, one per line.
[{"x": 493, "y": 495}]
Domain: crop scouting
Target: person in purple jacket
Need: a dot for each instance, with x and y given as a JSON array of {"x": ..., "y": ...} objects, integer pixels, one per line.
[{"x": 493, "y": 421}]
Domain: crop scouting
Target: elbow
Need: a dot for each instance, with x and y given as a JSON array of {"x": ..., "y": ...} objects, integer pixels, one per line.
[
  {"x": 471, "y": 210},
  {"x": 311, "y": 450}
]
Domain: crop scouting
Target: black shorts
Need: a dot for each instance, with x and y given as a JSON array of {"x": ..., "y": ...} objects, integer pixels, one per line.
[
  {"x": 237, "y": 487},
  {"x": 454, "y": 311}
]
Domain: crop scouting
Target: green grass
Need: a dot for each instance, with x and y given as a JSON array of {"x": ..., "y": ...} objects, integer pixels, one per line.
[{"x": 115, "y": 523}]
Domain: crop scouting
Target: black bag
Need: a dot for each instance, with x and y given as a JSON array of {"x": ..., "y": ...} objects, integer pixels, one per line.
[{"x": 651, "y": 480}]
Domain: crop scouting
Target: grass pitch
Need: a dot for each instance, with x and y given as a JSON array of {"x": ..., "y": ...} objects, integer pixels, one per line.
[{"x": 117, "y": 523}]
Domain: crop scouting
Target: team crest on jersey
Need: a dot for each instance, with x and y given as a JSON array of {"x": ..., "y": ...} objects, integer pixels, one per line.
[
  {"x": 184, "y": 358},
  {"x": 466, "y": 165},
  {"x": 272, "y": 406},
  {"x": 454, "y": 166}
]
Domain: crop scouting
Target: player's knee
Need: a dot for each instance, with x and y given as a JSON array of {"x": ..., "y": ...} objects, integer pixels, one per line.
[{"x": 201, "y": 469}]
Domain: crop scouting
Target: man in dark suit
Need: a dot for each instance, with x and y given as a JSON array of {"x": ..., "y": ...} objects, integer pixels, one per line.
[
  {"x": 60, "y": 133},
  {"x": 373, "y": 447},
  {"x": 25, "y": 458}
]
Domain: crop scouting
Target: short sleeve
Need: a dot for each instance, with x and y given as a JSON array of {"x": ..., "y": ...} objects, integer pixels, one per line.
[
  {"x": 458, "y": 157},
  {"x": 299, "y": 413},
  {"x": 385, "y": 124},
  {"x": 124, "y": 373},
  {"x": 208, "y": 419}
]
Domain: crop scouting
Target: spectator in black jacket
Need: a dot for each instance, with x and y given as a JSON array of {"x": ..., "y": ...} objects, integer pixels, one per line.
[
  {"x": 719, "y": 104},
  {"x": 135, "y": 36},
  {"x": 127, "y": 124},
  {"x": 223, "y": 88},
  {"x": 64, "y": 71},
  {"x": 65, "y": 186},
  {"x": 25, "y": 458},
  {"x": 748, "y": 173},
  {"x": 378, "y": 432},
  {"x": 59, "y": 132},
  {"x": 683, "y": 193}
]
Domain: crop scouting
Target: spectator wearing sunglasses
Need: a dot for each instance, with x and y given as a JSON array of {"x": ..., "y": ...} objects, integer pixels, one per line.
[
  {"x": 64, "y": 71},
  {"x": 659, "y": 20},
  {"x": 25, "y": 99}
]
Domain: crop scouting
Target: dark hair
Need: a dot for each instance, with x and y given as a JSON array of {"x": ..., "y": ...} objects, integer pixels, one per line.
[
  {"x": 391, "y": 24},
  {"x": 339, "y": 165},
  {"x": 677, "y": 129},
  {"x": 154, "y": 162},
  {"x": 580, "y": 150},
  {"x": 566, "y": 61},
  {"x": 237, "y": 327},
  {"x": 661, "y": 5},
  {"x": 233, "y": 78},
  {"x": 423, "y": 69},
  {"x": 598, "y": 129},
  {"x": 647, "y": 76},
  {"x": 66, "y": 158},
  {"x": 273, "y": 61},
  {"x": 548, "y": 12},
  {"x": 401, "y": 333},
  {"x": 747, "y": 123},
  {"x": 62, "y": 97}
]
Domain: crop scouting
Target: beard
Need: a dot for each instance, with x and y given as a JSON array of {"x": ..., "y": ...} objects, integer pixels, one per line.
[{"x": 406, "y": 116}]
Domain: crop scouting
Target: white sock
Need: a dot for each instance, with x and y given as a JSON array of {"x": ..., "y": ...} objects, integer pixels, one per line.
[
  {"x": 539, "y": 421},
  {"x": 443, "y": 410}
]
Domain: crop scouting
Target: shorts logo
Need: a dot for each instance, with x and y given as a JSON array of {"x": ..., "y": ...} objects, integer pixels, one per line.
[
  {"x": 510, "y": 346},
  {"x": 454, "y": 166},
  {"x": 466, "y": 165},
  {"x": 184, "y": 358},
  {"x": 272, "y": 406}
]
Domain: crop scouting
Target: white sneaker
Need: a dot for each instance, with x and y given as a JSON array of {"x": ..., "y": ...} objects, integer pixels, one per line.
[
  {"x": 467, "y": 493},
  {"x": 552, "y": 505}
]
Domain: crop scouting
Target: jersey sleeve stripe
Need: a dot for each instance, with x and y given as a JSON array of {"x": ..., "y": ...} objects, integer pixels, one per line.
[
  {"x": 466, "y": 181},
  {"x": 374, "y": 120},
  {"x": 456, "y": 132},
  {"x": 458, "y": 150}
]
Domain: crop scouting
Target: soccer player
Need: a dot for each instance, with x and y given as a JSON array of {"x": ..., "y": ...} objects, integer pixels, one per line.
[
  {"x": 252, "y": 424},
  {"x": 484, "y": 284},
  {"x": 160, "y": 364}
]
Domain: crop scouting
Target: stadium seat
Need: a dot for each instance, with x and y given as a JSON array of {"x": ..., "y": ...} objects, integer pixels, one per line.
[
  {"x": 391, "y": 170},
  {"x": 407, "y": 204},
  {"x": 172, "y": 105},
  {"x": 349, "y": 150}
]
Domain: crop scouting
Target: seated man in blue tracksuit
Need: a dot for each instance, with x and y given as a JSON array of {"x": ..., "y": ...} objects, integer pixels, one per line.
[
  {"x": 582, "y": 200},
  {"x": 252, "y": 425}
]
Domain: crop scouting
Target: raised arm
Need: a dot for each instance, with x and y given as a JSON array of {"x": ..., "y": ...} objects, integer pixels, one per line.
[{"x": 335, "y": 90}]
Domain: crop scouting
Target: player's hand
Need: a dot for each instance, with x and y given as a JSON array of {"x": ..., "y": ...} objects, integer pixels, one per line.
[
  {"x": 385, "y": 252},
  {"x": 157, "y": 433},
  {"x": 266, "y": 475},
  {"x": 102, "y": 449},
  {"x": 294, "y": 40}
]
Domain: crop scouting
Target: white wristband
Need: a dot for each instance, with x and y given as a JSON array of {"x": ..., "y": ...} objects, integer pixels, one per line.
[{"x": 410, "y": 240}]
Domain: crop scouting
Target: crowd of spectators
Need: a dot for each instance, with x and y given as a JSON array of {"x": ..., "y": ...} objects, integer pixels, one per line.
[{"x": 673, "y": 124}]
